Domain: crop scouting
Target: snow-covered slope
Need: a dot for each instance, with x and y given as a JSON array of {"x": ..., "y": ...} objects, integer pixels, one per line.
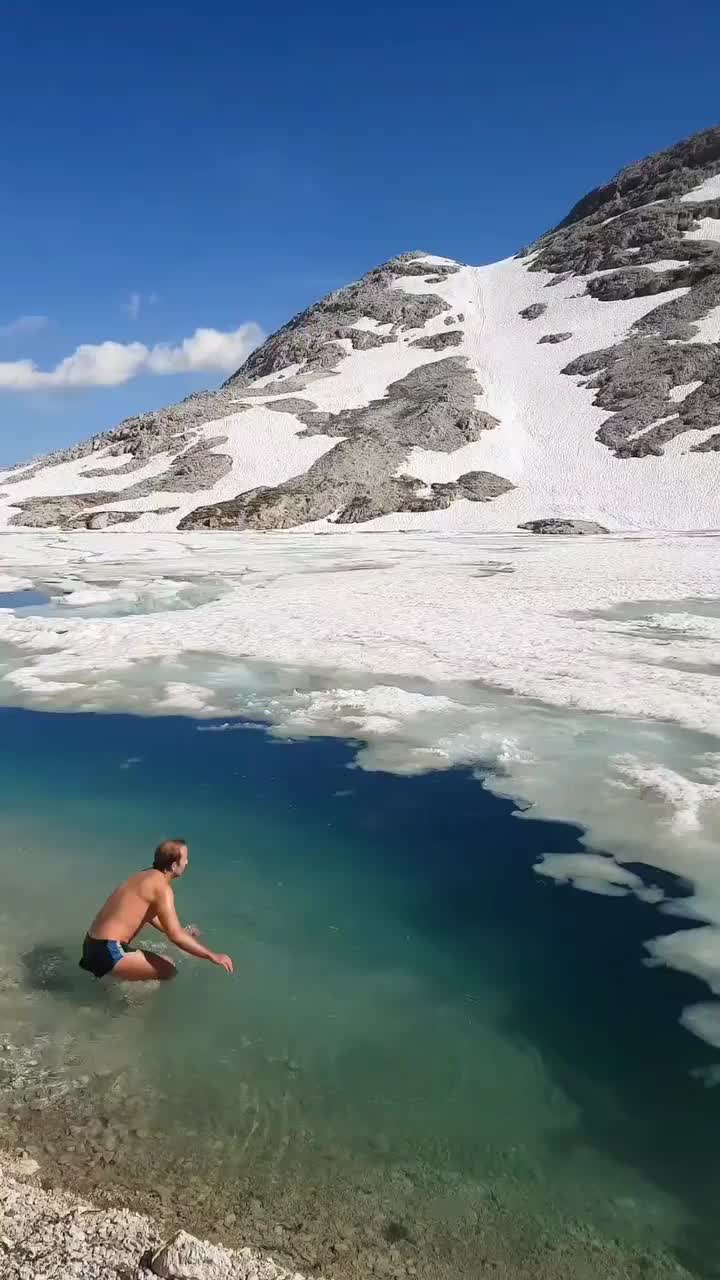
[{"x": 579, "y": 380}]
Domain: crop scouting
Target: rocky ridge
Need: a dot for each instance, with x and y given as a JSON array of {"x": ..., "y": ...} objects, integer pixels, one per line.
[{"x": 619, "y": 235}]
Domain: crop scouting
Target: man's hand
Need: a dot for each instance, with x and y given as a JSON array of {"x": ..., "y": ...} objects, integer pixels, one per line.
[{"x": 223, "y": 961}]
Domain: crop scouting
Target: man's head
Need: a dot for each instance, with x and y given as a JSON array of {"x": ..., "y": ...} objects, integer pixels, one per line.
[{"x": 171, "y": 857}]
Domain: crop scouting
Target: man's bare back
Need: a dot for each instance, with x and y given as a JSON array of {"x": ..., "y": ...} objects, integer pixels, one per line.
[{"x": 146, "y": 898}]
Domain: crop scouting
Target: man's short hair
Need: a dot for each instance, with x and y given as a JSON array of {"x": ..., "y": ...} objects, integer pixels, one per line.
[{"x": 168, "y": 853}]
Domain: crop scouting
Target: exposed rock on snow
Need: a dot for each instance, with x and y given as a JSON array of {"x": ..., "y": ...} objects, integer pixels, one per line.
[
  {"x": 579, "y": 527},
  {"x": 147, "y": 434},
  {"x": 358, "y": 480},
  {"x": 534, "y": 311},
  {"x": 433, "y": 406},
  {"x": 364, "y": 339},
  {"x": 623, "y": 231},
  {"x": 554, "y": 338},
  {"x": 44, "y": 513},
  {"x": 305, "y": 339},
  {"x": 439, "y": 341},
  {"x": 188, "y": 473},
  {"x": 198, "y": 468},
  {"x": 711, "y": 445},
  {"x": 635, "y": 378},
  {"x": 103, "y": 519}
]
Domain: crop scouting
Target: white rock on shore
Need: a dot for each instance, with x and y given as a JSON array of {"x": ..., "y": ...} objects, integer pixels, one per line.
[{"x": 50, "y": 1235}]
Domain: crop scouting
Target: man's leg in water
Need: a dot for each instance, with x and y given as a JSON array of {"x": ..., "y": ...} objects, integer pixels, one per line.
[{"x": 143, "y": 966}]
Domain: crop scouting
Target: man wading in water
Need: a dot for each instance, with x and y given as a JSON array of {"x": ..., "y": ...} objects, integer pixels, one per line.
[{"x": 146, "y": 898}]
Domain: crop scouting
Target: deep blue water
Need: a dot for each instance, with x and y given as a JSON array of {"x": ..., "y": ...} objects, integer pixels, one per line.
[
  {"x": 302, "y": 865},
  {"x": 22, "y": 599}
]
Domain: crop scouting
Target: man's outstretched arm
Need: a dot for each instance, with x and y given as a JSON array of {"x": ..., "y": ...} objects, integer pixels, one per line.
[
  {"x": 192, "y": 929},
  {"x": 168, "y": 923}
]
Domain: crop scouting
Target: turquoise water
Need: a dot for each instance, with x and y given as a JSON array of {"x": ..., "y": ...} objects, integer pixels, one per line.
[{"x": 427, "y": 1051}]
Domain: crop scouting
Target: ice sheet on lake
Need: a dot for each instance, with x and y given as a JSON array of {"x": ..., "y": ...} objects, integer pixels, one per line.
[{"x": 577, "y": 676}]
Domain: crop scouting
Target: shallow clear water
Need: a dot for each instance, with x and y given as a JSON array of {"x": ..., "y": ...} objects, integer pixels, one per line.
[
  {"x": 74, "y": 598},
  {"x": 425, "y": 1048}
]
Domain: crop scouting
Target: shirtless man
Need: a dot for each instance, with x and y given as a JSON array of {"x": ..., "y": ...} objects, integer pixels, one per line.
[{"x": 146, "y": 898}]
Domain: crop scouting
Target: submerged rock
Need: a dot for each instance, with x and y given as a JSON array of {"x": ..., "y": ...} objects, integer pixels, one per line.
[{"x": 23, "y": 1166}]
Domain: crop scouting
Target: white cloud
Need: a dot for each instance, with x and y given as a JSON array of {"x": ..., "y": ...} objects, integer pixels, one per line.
[
  {"x": 23, "y": 324},
  {"x": 137, "y": 301},
  {"x": 107, "y": 364},
  {"x": 133, "y": 305}
]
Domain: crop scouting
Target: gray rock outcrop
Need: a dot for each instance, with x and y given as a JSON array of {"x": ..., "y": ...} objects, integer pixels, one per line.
[
  {"x": 365, "y": 339},
  {"x": 105, "y": 519},
  {"x": 46, "y": 512},
  {"x": 534, "y": 311},
  {"x": 24, "y": 473},
  {"x": 147, "y": 434},
  {"x": 304, "y": 339},
  {"x": 658, "y": 177},
  {"x": 581, "y": 528},
  {"x": 198, "y": 468},
  {"x": 623, "y": 230},
  {"x": 634, "y": 379},
  {"x": 439, "y": 341},
  {"x": 360, "y": 479},
  {"x": 188, "y": 472},
  {"x": 554, "y": 338}
]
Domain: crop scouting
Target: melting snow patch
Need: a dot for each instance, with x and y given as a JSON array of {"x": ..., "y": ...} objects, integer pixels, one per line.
[
  {"x": 708, "y": 328},
  {"x": 683, "y": 390},
  {"x": 708, "y": 190}
]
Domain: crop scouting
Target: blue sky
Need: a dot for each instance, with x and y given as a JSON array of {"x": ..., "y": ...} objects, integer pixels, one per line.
[{"x": 175, "y": 167}]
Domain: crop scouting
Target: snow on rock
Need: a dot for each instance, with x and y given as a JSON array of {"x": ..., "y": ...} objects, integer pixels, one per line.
[
  {"x": 707, "y": 190},
  {"x": 376, "y": 404}
]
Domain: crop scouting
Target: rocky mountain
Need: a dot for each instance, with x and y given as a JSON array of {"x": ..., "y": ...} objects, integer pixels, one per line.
[{"x": 578, "y": 381}]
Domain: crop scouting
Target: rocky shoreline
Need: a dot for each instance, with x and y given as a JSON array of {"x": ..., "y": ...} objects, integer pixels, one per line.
[
  {"x": 50, "y": 1235},
  {"x": 86, "y": 1193}
]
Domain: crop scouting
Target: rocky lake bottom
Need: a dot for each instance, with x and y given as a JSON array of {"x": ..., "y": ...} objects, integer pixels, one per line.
[{"x": 430, "y": 1061}]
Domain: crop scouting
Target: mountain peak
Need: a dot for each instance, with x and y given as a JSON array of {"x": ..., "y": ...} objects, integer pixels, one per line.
[{"x": 578, "y": 382}]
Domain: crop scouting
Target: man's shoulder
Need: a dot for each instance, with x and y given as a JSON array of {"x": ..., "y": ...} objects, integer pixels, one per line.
[{"x": 152, "y": 882}]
